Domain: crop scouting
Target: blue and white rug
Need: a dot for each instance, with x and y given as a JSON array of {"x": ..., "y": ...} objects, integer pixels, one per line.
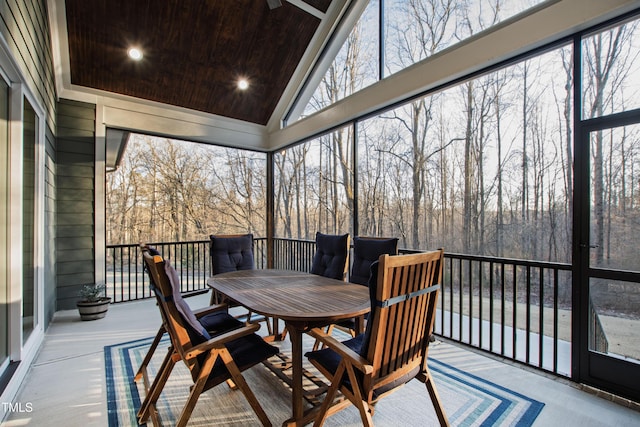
[{"x": 469, "y": 400}]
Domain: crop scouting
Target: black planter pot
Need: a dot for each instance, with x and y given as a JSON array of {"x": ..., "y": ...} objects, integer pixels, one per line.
[{"x": 93, "y": 310}]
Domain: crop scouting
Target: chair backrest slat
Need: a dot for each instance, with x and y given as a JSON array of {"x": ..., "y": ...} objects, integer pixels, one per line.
[{"x": 404, "y": 313}]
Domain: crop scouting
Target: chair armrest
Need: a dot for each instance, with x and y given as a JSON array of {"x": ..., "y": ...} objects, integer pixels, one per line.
[
  {"x": 210, "y": 309},
  {"x": 221, "y": 340},
  {"x": 345, "y": 352}
]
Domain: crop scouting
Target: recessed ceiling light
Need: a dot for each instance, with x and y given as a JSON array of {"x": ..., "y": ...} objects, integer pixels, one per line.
[
  {"x": 135, "y": 54},
  {"x": 243, "y": 84}
]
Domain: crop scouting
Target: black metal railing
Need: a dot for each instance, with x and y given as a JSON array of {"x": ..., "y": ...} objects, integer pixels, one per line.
[
  {"x": 517, "y": 309},
  {"x": 127, "y": 281}
]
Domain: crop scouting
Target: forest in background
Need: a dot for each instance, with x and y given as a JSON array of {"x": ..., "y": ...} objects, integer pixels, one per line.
[{"x": 483, "y": 167}]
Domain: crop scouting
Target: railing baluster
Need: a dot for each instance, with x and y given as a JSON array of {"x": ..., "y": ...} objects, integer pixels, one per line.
[
  {"x": 491, "y": 282},
  {"x": 541, "y": 318},
  {"x": 555, "y": 319},
  {"x": 451, "y": 298},
  {"x": 503, "y": 311},
  {"x": 460, "y": 302},
  {"x": 528, "y": 316},
  {"x": 515, "y": 313},
  {"x": 121, "y": 275},
  {"x": 480, "y": 313}
]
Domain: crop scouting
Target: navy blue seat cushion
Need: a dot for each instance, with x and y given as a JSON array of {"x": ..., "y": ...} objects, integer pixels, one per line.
[
  {"x": 331, "y": 255},
  {"x": 219, "y": 322},
  {"x": 231, "y": 253},
  {"x": 330, "y": 360},
  {"x": 365, "y": 252}
]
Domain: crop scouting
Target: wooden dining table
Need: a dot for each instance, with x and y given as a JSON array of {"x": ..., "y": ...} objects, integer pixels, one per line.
[{"x": 303, "y": 301}]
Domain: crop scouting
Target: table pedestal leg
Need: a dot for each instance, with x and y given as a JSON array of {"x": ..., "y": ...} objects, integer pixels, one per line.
[{"x": 297, "y": 400}]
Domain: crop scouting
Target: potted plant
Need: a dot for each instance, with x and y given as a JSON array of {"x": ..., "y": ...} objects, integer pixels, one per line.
[{"x": 94, "y": 304}]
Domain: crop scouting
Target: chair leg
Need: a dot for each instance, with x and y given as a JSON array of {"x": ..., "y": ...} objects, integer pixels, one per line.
[
  {"x": 197, "y": 388},
  {"x": 267, "y": 320},
  {"x": 366, "y": 411},
  {"x": 156, "y": 388},
  {"x": 435, "y": 400},
  {"x": 142, "y": 371},
  {"x": 328, "y": 399},
  {"x": 241, "y": 383}
]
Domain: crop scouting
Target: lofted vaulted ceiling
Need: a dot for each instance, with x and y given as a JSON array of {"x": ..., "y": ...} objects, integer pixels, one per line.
[{"x": 194, "y": 50}]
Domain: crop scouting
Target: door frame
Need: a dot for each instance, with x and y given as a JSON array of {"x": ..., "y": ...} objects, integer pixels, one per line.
[{"x": 600, "y": 370}]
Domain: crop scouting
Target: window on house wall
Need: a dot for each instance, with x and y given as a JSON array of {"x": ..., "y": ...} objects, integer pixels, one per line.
[
  {"x": 314, "y": 186},
  {"x": 29, "y": 294},
  {"x": 167, "y": 190}
]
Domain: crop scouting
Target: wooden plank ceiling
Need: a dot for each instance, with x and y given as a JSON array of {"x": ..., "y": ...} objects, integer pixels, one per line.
[{"x": 194, "y": 51}]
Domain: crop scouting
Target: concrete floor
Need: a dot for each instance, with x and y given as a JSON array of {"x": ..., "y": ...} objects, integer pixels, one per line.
[{"x": 66, "y": 384}]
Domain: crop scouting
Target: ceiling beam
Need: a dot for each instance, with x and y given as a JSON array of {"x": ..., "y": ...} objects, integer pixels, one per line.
[{"x": 306, "y": 7}]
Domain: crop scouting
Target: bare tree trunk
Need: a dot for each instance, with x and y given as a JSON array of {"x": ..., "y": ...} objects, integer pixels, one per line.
[
  {"x": 568, "y": 142},
  {"x": 525, "y": 165},
  {"x": 499, "y": 212},
  {"x": 416, "y": 174},
  {"x": 466, "y": 216}
]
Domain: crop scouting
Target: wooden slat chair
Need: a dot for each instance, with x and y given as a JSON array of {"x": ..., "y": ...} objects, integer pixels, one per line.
[
  {"x": 213, "y": 318},
  {"x": 211, "y": 360},
  {"x": 233, "y": 252},
  {"x": 366, "y": 251},
  {"x": 393, "y": 349},
  {"x": 331, "y": 259}
]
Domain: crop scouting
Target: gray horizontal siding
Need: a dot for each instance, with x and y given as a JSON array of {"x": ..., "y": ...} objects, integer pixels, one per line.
[
  {"x": 50, "y": 229},
  {"x": 75, "y": 259}
]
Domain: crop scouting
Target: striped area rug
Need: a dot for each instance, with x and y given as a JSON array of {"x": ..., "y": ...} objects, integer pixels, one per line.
[{"x": 468, "y": 399}]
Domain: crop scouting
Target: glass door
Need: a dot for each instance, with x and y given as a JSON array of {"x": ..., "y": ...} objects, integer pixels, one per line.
[
  {"x": 612, "y": 279},
  {"x": 29, "y": 294},
  {"x": 4, "y": 195},
  {"x": 607, "y": 209}
]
